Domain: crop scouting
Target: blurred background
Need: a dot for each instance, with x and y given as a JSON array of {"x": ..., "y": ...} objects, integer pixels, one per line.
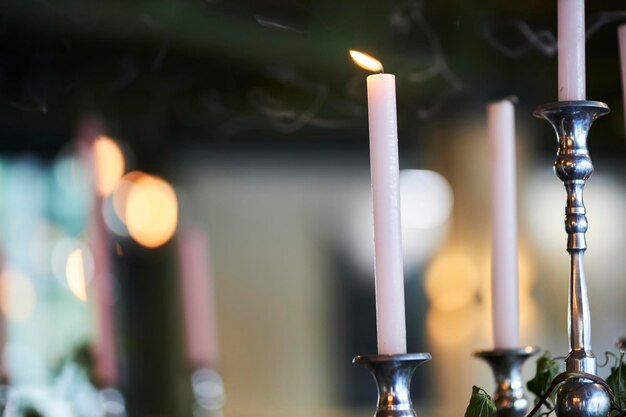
[{"x": 185, "y": 213}]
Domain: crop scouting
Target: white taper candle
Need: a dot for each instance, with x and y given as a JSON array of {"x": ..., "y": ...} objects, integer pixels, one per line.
[
  {"x": 504, "y": 279},
  {"x": 571, "y": 49},
  {"x": 390, "y": 320},
  {"x": 621, "y": 35},
  {"x": 198, "y": 299}
]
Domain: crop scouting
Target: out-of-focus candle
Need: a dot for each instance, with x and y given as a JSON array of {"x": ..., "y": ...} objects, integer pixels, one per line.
[
  {"x": 504, "y": 279},
  {"x": 198, "y": 302},
  {"x": 621, "y": 35},
  {"x": 106, "y": 369},
  {"x": 571, "y": 47},
  {"x": 381, "y": 99}
]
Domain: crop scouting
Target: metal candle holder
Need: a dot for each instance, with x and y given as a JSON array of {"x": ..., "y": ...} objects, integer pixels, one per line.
[
  {"x": 510, "y": 397},
  {"x": 571, "y": 120},
  {"x": 208, "y": 392},
  {"x": 112, "y": 403},
  {"x": 393, "y": 375}
]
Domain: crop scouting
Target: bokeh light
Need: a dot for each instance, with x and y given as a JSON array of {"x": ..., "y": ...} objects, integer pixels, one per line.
[
  {"x": 109, "y": 164},
  {"x": 75, "y": 274},
  {"x": 119, "y": 196},
  {"x": 453, "y": 328},
  {"x": 60, "y": 260},
  {"x": 452, "y": 281},
  {"x": 426, "y": 199},
  {"x": 111, "y": 219},
  {"x": 426, "y": 205},
  {"x": 151, "y": 213},
  {"x": 18, "y": 297}
]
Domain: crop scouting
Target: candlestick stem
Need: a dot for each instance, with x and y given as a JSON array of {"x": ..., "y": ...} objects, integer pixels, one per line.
[
  {"x": 393, "y": 375},
  {"x": 572, "y": 120}
]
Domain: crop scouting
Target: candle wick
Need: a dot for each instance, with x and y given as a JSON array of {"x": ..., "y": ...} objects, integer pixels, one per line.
[{"x": 382, "y": 70}]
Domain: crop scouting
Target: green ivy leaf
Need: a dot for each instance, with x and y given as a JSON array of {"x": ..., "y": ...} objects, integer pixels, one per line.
[
  {"x": 617, "y": 381},
  {"x": 547, "y": 370},
  {"x": 480, "y": 404}
]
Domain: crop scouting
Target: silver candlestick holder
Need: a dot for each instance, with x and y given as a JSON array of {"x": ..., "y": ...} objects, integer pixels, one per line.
[
  {"x": 576, "y": 397},
  {"x": 393, "y": 375},
  {"x": 510, "y": 398},
  {"x": 208, "y": 392},
  {"x": 112, "y": 403}
]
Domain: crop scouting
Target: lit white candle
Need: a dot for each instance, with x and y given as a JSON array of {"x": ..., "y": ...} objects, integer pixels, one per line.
[
  {"x": 621, "y": 35},
  {"x": 504, "y": 285},
  {"x": 381, "y": 99},
  {"x": 571, "y": 46}
]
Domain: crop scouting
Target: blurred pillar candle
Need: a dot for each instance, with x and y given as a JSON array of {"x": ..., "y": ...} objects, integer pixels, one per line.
[
  {"x": 504, "y": 279},
  {"x": 104, "y": 350},
  {"x": 621, "y": 34},
  {"x": 381, "y": 101},
  {"x": 198, "y": 301},
  {"x": 571, "y": 49}
]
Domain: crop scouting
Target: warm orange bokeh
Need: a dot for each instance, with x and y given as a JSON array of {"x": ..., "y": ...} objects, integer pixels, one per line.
[
  {"x": 75, "y": 274},
  {"x": 151, "y": 211},
  {"x": 109, "y": 164}
]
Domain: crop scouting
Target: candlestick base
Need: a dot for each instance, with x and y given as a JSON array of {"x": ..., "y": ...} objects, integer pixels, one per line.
[
  {"x": 393, "y": 375},
  {"x": 5, "y": 392},
  {"x": 506, "y": 364},
  {"x": 208, "y": 392},
  {"x": 112, "y": 403},
  {"x": 581, "y": 397}
]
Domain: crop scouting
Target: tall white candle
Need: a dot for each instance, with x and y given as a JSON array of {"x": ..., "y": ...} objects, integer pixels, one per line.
[
  {"x": 105, "y": 358},
  {"x": 621, "y": 35},
  {"x": 504, "y": 281},
  {"x": 390, "y": 321},
  {"x": 571, "y": 47},
  {"x": 198, "y": 301},
  {"x": 381, "y": 101}
]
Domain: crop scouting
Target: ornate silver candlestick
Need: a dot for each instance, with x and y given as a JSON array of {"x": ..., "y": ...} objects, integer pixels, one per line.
[
  {"x": 393, "y": 375},
  {"x": 510, "y": 397},
  {"x": 571, "y": 121}
]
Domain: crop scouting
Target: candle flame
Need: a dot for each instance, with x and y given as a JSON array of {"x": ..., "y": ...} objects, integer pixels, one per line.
[{"x": 365, "y": 61}]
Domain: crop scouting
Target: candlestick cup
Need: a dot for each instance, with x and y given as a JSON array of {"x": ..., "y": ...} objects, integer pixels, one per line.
[
  {"x": 393, "y": 375},
  {"x": 506, "y": 364}
]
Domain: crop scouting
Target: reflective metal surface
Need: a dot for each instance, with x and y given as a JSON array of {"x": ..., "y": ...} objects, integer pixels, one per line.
[
  {"x": 582, "y": 397},
  {"x": 571, "y": 121},
  {"x": 509, "y": 397},
  {"x": 393, "y": 375},
  {"x": 208, "y": 392},
  {"x": 112, "y": 403}
]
